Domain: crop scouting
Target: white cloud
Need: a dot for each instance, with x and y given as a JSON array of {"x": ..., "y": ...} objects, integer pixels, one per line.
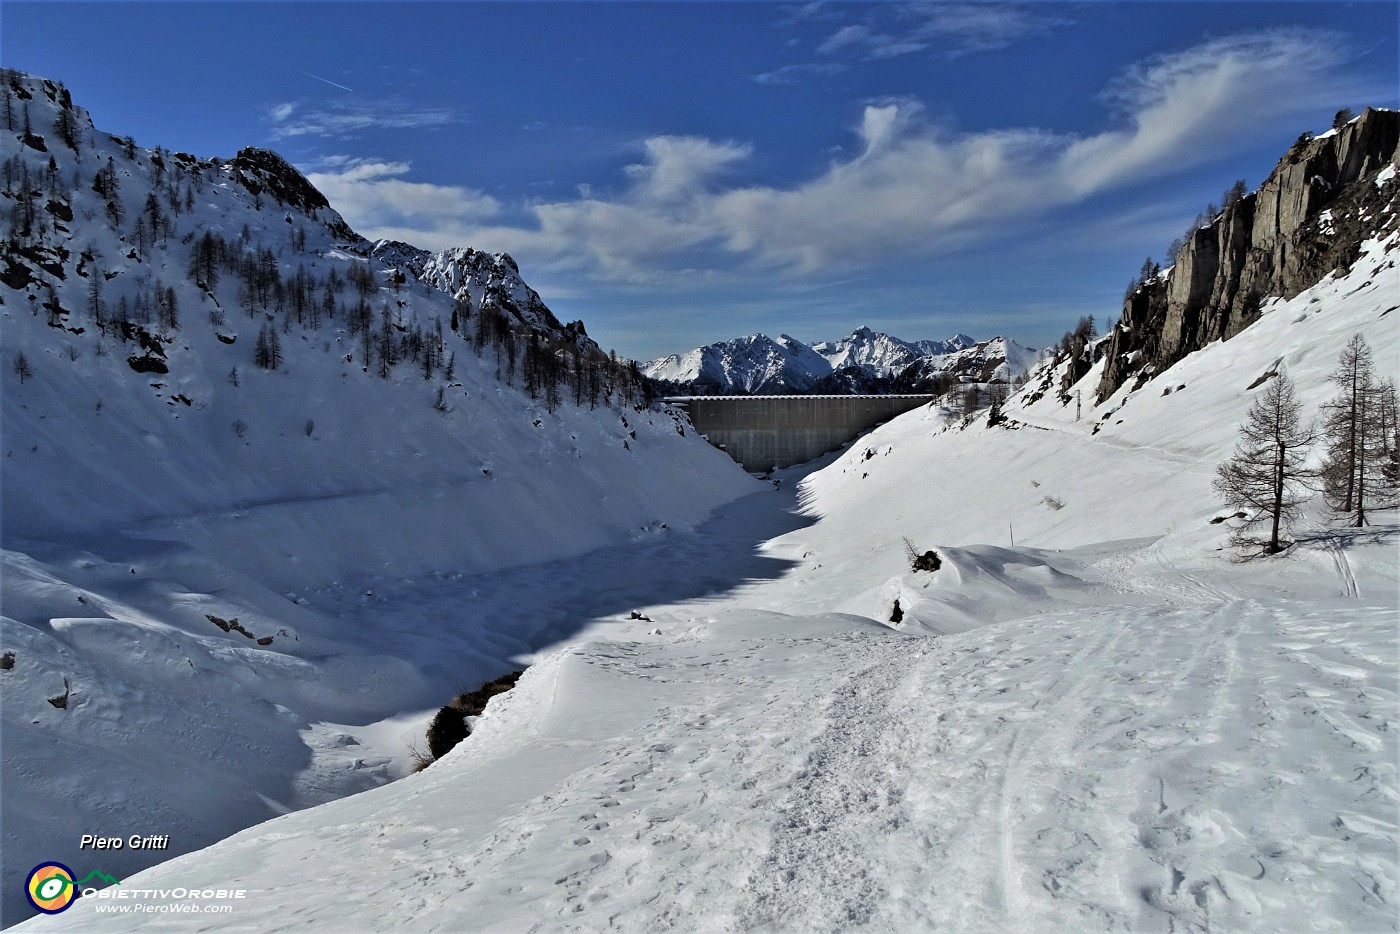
[
  {"x": 815, "y": 10},
  {"x": 789, "y": 74},
  {"x": 980, "y": 27},
  {"x": 679, "y": 167},
  {"x": 954, "y": 29},
  {"x": 856, "y": 34},
  {"x": 375, "y": 199},
  {"x": 911, "y": 189},
  {"x": 1210, "y": 97},
  {"x": 344, "y": 119}
]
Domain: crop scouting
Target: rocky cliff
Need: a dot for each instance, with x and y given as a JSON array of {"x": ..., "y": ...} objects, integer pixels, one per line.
[{"x": 1323, "y": 200}]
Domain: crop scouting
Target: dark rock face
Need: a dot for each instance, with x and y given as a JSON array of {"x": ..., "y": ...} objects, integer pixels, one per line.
[
  {"x": 263, "y": 171},
  {"x": 1309, "y": 218}
]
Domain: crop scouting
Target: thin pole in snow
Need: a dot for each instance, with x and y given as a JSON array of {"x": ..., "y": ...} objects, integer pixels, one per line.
[{"x": 1013, "y": 534}]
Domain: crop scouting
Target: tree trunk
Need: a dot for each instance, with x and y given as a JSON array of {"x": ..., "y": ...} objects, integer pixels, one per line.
[
  {"x": 1359, "y": 455},
  {"x": 1352, "y": 441}
]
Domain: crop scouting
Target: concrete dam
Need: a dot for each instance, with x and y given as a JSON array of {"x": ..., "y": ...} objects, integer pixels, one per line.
[{"x": 764, "y": 432}]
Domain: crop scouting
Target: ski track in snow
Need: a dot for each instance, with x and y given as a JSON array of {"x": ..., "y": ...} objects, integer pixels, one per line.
[
  {"x": 1343, "y": 566},
  {"x": 1080, "y": 772}
]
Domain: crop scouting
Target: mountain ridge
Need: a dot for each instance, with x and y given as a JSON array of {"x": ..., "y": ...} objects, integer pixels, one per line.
[{"x": 865, "y": 361}]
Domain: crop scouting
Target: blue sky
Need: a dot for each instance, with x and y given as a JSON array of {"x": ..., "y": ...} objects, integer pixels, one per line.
[{"x": 678, "y": 173}]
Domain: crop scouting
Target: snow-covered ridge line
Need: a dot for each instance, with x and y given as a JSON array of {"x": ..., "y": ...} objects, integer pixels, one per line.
[{"x": 865, "y": 362}]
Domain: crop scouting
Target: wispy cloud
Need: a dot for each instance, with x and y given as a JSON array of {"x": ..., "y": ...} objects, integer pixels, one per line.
[
  {"x": 910, "y": 188},
  {"x": 1216, "y": 93},
  {"x": 344, "y": 119},
  {"x": 981, "y": 27},
  {"x": 789, "y": 74},
  {"x": 805, "y": 12},
  {"x": 951, "y": 29},
  {"x": 870, "y": 42}
]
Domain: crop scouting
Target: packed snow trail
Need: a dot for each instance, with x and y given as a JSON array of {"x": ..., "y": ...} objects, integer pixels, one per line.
[{"x": 1130, "y": 770}]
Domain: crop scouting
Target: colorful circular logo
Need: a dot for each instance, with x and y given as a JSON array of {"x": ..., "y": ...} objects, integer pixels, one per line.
[{"x": 50, "y": 887}]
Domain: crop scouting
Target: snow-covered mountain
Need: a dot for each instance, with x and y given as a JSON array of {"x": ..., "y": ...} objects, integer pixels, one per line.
[
  {"x": 756, "y": 364},
  {"x": 1088, "y": 716},
  {"x": 219, "y": 402},
  {"x": 882, "y": 354},
  {"x": 864, "y": 362}
]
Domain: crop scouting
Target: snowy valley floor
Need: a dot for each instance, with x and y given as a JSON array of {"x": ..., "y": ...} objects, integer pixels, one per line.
[{"x": 1143, "y": 743}]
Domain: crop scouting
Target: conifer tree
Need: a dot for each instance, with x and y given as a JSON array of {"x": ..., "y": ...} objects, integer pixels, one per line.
[
  {"x": 22, "y": 368},
  {"x": 1266, "y": 478},
  {"x": 1359, "y": 426},
  {"x": 388, "y": 354},
  {"x": 96, "y": 306},
  {"x": 67, "y": 128}
]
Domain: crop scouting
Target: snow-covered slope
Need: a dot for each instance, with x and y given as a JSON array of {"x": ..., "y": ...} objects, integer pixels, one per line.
[
  {"x": 1089, "y": 718},
  {"x": 155, "y": 476},
  {"x": 867, "y": 361}
]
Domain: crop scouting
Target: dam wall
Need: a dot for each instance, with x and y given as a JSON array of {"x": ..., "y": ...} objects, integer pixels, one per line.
[{"x": 767, "y": 432}]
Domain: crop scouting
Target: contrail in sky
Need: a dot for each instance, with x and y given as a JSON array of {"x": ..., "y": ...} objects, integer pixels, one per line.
[{"x": 330, "y": 82}]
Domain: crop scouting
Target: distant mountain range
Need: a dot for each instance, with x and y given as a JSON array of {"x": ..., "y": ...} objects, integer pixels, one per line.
[{"x": 864, "y": 362}]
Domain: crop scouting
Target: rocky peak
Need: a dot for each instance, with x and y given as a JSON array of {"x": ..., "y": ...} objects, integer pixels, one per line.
[
  {"x": 479, "y": 280},
  {"x": 262, "y": 170}
]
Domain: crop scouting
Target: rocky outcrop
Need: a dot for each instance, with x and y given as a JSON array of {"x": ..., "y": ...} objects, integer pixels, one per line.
[
  {"x": 1322, "y": 201},
  {"x": 480, "y": 280},
  {"x": 262, "y": 170}
]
